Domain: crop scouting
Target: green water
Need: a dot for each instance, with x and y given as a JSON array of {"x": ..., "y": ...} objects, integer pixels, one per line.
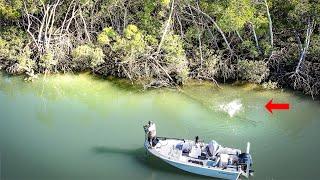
[{"x": 80, "y": 127}]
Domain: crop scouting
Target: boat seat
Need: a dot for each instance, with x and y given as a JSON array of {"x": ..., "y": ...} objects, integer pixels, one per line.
[
  {"x": 195, "y": 152},
  {"x": 186, "y": 148},
  {"x": 179, "y": 146},
  {"x": 224, "y": 160}
]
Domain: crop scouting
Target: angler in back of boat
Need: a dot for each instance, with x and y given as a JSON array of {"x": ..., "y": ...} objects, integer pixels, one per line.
[{"x": 209, "y": 159}]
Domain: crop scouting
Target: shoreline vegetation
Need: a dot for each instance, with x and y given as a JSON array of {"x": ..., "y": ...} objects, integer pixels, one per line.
[{"x": 163, "y": 43}]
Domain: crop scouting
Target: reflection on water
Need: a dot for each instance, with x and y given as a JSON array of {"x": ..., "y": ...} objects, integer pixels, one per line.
[{"x": 82, "y": 127}]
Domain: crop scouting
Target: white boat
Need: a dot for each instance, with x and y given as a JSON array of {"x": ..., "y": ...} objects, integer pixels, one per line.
[{"x": 209, "y": 159}]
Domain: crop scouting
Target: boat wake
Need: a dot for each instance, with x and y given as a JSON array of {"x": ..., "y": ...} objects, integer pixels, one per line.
[{"x": 232, "y": 108}]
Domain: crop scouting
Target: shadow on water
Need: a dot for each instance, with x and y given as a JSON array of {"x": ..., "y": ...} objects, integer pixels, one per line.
[
  {"x": 146, "y": 160},
  {"x": 120, "y": 83}
]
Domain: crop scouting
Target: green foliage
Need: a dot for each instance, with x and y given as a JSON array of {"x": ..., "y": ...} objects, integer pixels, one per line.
[
  {"x": 151, "y": 40},
  {"x": 215, "y": 8},
  {"x": 165, "y": 2},
  {"x": 314, "y": 50},
  {"x": 260, "y": 24},
  {"x": 295, "y": 13},
  {"x": 97, "y": 57},
  {"x": 150, "y": 16},
  {"x": 249, "y": 45},
  {"x": 211, "y": 64},
  {"x": 175, "y": 55},
  {"x": 302, "y": 9},
  {"x": 12, "y": 43},
  {"x": 132, "y": 31},
  {"x": 4, "y": 51},
  {"x": 232, "y": 15},
  {"x": 270, "y": 85},
  {"x": 191, "y": 36},
  {"x": 134, "y": 45},
  {"x": 131, "y": 45},
  {"x": 253, "y": 71},
  {"x": 47, "y": 60},
  {"x": 25, "y": 61},
  {"x": 106, "y": 36},
  {"x": 265, "y": 45},
  {"x": 13, "y": 10},
  {"x": 89, "y": 56},
  {"x": 14, "y": 49},
  {"x": 10, "y": 10},
  {"x": 236, "y": 15},
  {"x": 173, "y": 47}
]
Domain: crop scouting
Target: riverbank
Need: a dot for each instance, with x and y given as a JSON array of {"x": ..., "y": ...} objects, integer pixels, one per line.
[{"x": 140, "y": 85}]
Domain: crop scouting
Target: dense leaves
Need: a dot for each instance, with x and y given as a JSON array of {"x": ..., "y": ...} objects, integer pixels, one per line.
[{"x": 165, "y": 42}]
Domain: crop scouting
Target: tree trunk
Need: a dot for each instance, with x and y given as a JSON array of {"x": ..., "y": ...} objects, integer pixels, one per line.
[
  {"x": 166, "y": 28},
  {"x": 306, "y": 45},
  {"x": 270, "y": 24},
  {"x": 255, "y": 38}
]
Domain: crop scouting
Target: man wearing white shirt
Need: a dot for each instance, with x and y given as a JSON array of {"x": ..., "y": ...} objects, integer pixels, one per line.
[{"x": 151, "y": 132}]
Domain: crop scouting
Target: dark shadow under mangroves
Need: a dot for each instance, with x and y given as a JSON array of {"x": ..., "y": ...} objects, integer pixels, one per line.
[{"x": 144, "y": 159}]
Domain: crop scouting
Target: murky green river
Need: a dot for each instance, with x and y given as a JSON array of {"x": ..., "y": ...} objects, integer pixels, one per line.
[{"x": 81, "y": 127}]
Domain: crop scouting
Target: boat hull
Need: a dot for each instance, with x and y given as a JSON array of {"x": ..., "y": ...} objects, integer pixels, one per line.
[
  {"x": 196, "y": 169},
  {"x": 205, "y": 171}
]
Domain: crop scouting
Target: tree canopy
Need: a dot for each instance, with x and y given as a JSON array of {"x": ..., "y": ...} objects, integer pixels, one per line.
[{"x": 165, "y": 42}]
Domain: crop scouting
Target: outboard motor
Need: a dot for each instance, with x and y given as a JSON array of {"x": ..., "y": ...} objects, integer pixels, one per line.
[{"x": 245, "y": 161}]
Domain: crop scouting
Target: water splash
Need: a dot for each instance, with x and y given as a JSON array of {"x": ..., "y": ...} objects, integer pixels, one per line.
[{"x": 232, "y": 107}]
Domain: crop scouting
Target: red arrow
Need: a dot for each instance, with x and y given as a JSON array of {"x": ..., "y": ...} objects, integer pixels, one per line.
[{"x": 269, "y": 106}]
